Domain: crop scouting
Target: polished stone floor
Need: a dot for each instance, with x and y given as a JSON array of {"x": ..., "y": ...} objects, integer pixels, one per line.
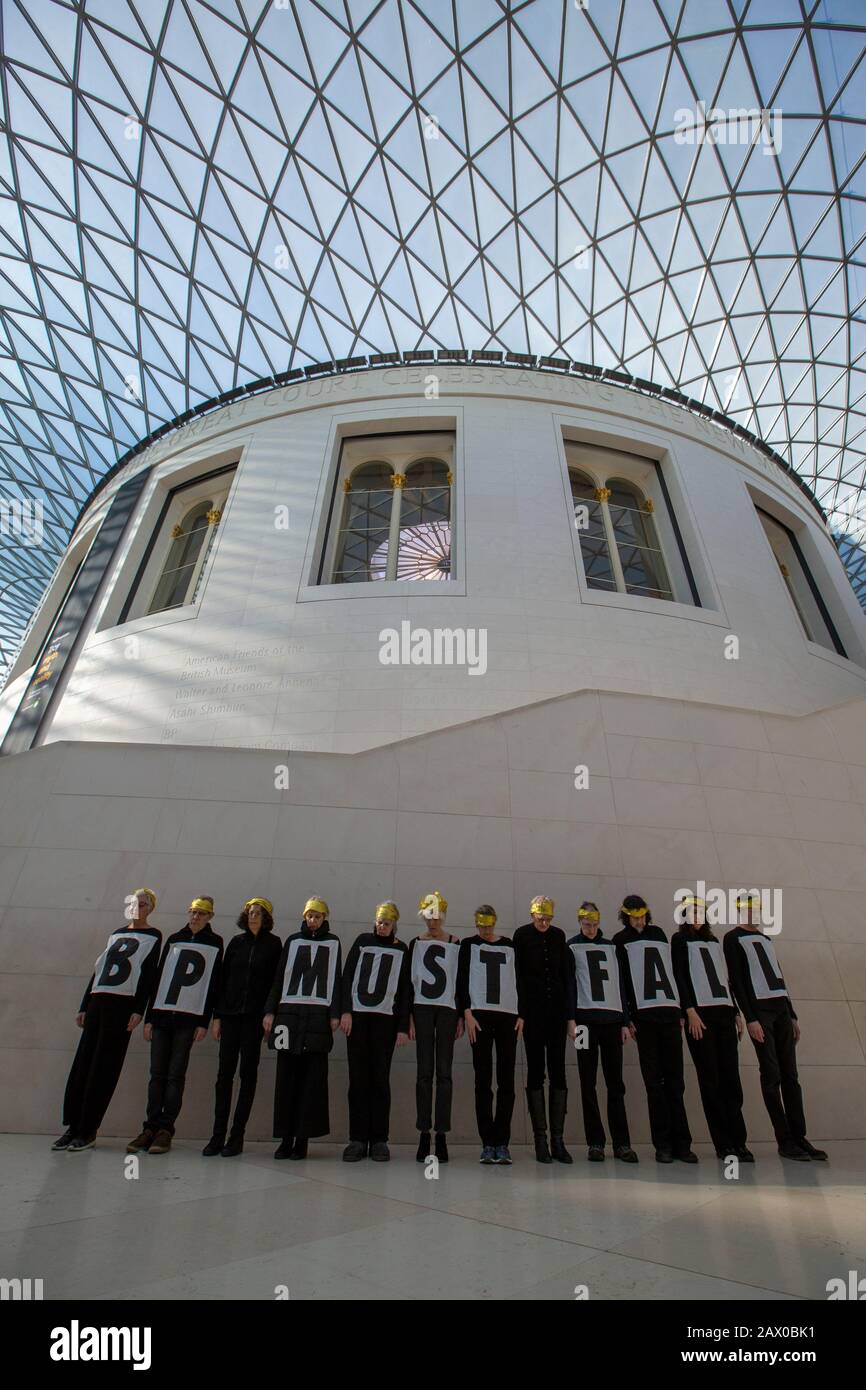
[{"x": 193, "y": 1228}]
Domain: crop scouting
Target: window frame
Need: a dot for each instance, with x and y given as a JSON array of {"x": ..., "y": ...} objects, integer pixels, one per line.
[{"x": 811, "y": 583}]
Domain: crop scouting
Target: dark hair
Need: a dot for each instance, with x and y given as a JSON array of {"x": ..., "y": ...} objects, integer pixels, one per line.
[
  {"x": 486, "y": 911},
  {"x": 703, "y": 931},
  {"x": 589, "y": 907},
  {"x": 634, "y": 901},
  {"x": 267, "y": 920}
]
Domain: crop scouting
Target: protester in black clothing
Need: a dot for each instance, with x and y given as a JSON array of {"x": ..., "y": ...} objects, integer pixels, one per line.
[
  {"x": 434, "y": 1022},
  {"x": 544, "y": 969},
  {"x": 599, "y": 1027},
  {"x": 112, "y": 1008},
  {"x": 488, "y": 997},
  {"x": 247, "y": 973},
  {"x": 713, "y": 1028},
  {"x": 375, "y": 1003},
  {"x": 654, "y": 1010},
  {"x": 302, "y": 1015},
  {"x": 178, "y": 1015},
  {"x": 762, "y": 994}
]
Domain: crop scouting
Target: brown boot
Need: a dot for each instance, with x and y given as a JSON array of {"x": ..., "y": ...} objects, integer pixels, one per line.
[
  {"x": 142, "y": 1142},
  {"x": 161, "y": 1142}
]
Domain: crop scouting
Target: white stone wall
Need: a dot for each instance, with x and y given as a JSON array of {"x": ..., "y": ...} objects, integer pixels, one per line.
[
  {"x": 678, "y": 790},
  {"x": 263, "y": 660}
]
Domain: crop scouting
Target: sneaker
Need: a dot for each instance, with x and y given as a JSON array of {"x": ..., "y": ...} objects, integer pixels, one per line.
[
  {"x": 81, "y": 1141},
  {"x": 213, "y": 1146},
  {"x": 64, "y": 1141},
  {"x": 423, "y": 1147},
  {"x": 488, "y": 1154},
  {"x": 791, "y": 1150},
  {"x": 354, "y": 1151},
  {"x": 686, "y": 1156},
  {"x": 441, "y": 1149},
  {"x": 595, "y": 1153},
  {"x": 626, "y": 1153},
  {"x": 161, "y": 1142},
  {"x": 142, "y": 1143},
  {"x": 818, "y": 1154},
  {"x": 501, "y": 1154},
  {"x": 380, "y": 1153},
  {"x": 285, "y": 1149},
  {"x": 300, "y": 1149},
  {"x": 664, "y": 1156},
  {"x": 233, "y": 1146}
]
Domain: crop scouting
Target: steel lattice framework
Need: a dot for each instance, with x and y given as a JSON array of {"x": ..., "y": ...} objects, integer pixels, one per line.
[{"x": 197, "y": 193}]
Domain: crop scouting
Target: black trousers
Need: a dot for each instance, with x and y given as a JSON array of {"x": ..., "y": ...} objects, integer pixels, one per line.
[
  {"x": 169, "y": 1055},
  {"x": 494, "y": 1030},
  {"x": 718, "y": 1068},
  {"x": 780, "y": 1084},
  {"x": 370, "y": 1048},
  {"x": 544, "y": 1040},
  {"x": 435, "y": 1031},
  {"x": 301, "y": 1095},
  {"x": 604, "y": 1040},
  {"x": 98, "y": 1063},
  {"x": 240, "y": 1041},
  {"x": 660, "y": 1050}
]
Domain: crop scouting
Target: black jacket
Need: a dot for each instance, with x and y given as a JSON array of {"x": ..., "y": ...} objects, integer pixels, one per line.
[
  {"x": 662, "y": 1013},
  {"x": 464, "y": 961},
  {"x": 309, "y": 1025},
  {"x": 741, "y": 980},
  {"x": 681, "y": 957},
  {"x": 579, "y": 1009},
  {"x": 170, "y": 1018},
  {"x": 402, "y": 998},
  {"x": 248, "y": 973},
  {"x": 544, "y": 971},
  {"x": 136, "y": 1003}
]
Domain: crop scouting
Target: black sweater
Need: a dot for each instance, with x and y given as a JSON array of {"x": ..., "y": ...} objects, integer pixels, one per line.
[
  {"x": 581, "y": 1009},
  {"x": 137, "y": 1002},
  {"x": 544, "y": 969},
  {"x": 402, "y": 998},
  {"x": 173, "y": 1018},
  {"x": 309, "y": 1025},
  {"x": 463, "y": 964},
  {"x": 653, "y": 1013},
  {"x": 741, "y": 979},
  {"x": 247, "y": 974},
  {"x": 683, "y": 964}
]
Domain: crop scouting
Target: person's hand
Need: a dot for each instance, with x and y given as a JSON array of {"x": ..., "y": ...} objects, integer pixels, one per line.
[
  {"x": 268, "y": 1023},
  {"x": 696, "y": 1027},
  {"x": 739, "y": 1023},
  {"x": 148, "y": 1032},
  {"x": 335, "y": 1023},
  {"x": 79, "y": 1019},
  {"x": 626, "y": 1035},
  {"x": 518, "y": 1027},
  {"x": 346, "y": 1024},
  {"x": 472, "y": 1028},
  {"x": 796, "y": 1028},
  {"x": 199, "y": 1034},
  {"x": 756, "y": 1032},
  {"x": 459, "y": 1032},
  {"x": 134, "y": 1020},
  {"x": 632, "y": 1030},
  {"x": 411, "y": 1030},
  {"x": 215, "y": 1030},
  {"x": 402, "y": 1039},
  {"x": 572, "y": 1029}
]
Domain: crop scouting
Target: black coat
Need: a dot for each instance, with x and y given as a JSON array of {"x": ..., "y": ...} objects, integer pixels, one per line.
[
  {"x": 544, "y": 971},
  {"x": 309, "y": 1025},
  {"x": 248, "y": 970}
]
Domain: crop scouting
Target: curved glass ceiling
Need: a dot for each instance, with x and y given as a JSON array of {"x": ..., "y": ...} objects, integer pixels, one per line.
[{"x": 197, "y": 193}]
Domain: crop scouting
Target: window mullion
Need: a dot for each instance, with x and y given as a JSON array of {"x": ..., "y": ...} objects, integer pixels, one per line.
[
  {"x": 603, "y": 493},
  {"x": 394, "y": 531}
]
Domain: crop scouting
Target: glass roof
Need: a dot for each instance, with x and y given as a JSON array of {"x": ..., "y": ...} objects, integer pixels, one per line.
[{"x": 198, "y": 193}]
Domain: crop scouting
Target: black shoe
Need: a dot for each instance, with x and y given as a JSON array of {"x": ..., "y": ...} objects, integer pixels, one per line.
[
  {"x": 664, "y": 1156},
  {"x": 535, "y": 1101},
  {"x": 595, "y": 1153},
  {"x": 423, "y": 1152},
  {"x": 300, "y": 1149},
  {"x": 380, "y": 1153},
  {"x": 213, "y": 1146},
  {"x": 744, "y": 1155},
  {"x": 791, "y": 1150},
  {"x": 354, "y": 1151},
  {"x": 441, "y": 1149},
  {"x": 686, "y": 1156},
  {"x": 820, "y": 1155},
  {"x": 558, "y": 1099},
  {"x": 558, "y": 1149},
  {"x": 626, "y": 1153},
  {"x": 542, "y": 1152},
  {"x": 64, "y": 1141},
  {"x": 234, "y": 1146},
  {"x": 285, "y": 1149},
  {"x": 81, "y": 1141}
]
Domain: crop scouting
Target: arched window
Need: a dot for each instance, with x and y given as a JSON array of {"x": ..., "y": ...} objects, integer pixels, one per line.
[
  {"x": 594, "y": 545},
  {"x": 362, "y": 545},
  {"x": 425, "y": 522},
  {"x": 637, "y": 543},
  {"x": 190, "y": 543}
]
